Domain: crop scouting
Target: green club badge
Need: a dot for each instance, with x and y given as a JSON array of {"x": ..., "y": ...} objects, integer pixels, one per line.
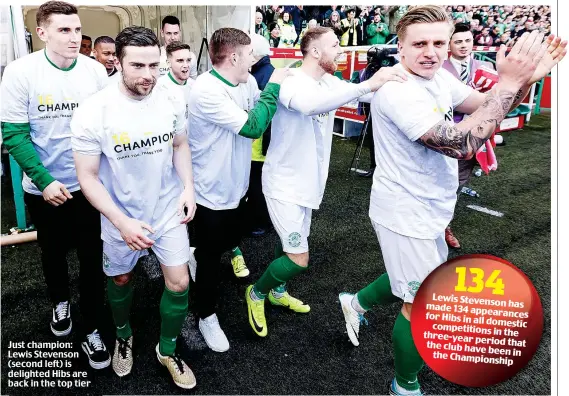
[
  {"x": 413, "y": 287},
  {"x": 294, "y": 239},
  {"x": 106, "y": 261}
]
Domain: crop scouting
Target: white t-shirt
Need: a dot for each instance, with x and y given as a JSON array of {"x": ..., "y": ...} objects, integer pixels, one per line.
[
  {"x": 414, "y": 188},
  {"x": 115, "y": 77},
  {"x": 35, "y": 91},
  {"x": 165, "y": 67},
  {"x": 297, "y": 162},
  {"x": 221, "y": 158},
  {"x": 170, "y": 83},
  {"x": 134, "y": 139}
]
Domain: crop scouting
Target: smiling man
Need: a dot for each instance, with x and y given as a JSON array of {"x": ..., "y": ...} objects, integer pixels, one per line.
[
  {"x": 133, "y": 162},
  {"x": 170, "y": 33},
  {"x": 180, "y": 59},
  {"x": 296, "y": 165},
  {"x": 414, "y": 186},
  {"x": 86, "y": 45},
  {"x": 105, "y": 53},
  {"x": 40, "y": 92},
  {"x": 227, "y": 112}
]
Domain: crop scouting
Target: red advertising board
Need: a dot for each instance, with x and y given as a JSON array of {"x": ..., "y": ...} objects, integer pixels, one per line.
[{"x": 355, "y": 59}]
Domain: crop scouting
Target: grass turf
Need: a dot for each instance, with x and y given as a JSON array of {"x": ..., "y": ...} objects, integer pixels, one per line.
[{"x": 310, "y": 354}]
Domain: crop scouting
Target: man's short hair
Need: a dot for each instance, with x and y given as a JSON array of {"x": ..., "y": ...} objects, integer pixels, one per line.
[
  {"x": 176, "y": 46},
  {"x": 85, "y": 37},
  {"x": 260, "y": 46},
  {"x": 460, "y": 28},
  {"x": 312, "y": 34},
  {"x": 47, "y": 9},
  {"x": 421, "y": 14},
  {"x": 134, "y": 36},
  {"x": 224, "y": 41},
  {"x": 104, "y": 40},
  {"x": 170, "y": 20}
]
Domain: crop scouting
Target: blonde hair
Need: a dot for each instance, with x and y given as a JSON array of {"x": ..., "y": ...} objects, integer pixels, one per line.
[{"x": 421, "y": 14}]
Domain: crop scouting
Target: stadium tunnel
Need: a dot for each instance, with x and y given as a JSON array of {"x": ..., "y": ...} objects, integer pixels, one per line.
[{"x": 197, "y": 22}]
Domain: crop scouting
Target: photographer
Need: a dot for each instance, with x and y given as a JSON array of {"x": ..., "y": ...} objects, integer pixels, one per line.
[{"x": 376, "y": 59}]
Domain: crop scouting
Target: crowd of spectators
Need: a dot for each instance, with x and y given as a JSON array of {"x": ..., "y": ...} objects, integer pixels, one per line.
[{"x": 284, "y": 26}]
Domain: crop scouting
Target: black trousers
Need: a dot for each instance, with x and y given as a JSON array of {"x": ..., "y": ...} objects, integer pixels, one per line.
[
  {"x": 257, "y": 212},
  {"x": 370, "y": 143},
  {"x": 73, "y": 224},
  {"x": 216, "y": 231},
  {"x": 465, "y": 168}
]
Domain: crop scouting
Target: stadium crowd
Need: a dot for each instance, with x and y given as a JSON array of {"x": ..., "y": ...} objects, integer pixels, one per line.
[{"x": 284, "y": 26}]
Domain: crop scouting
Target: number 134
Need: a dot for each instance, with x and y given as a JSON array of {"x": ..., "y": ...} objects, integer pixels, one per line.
[{"x": 492, "y": 282}]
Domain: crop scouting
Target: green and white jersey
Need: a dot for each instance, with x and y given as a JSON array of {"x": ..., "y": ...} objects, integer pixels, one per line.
[
  {"x": 37, "y": 92},
  {"x": 170, "y": 83},
  {"x": 134, "y": 140},
  {"x": 165, "y": 66},
  {"x": 221, "y": 158}
]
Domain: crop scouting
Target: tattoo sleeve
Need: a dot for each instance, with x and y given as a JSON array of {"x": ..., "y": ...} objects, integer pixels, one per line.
[
  {"x": 462, "y": 140},
  {"x": 519, "y": 97}
]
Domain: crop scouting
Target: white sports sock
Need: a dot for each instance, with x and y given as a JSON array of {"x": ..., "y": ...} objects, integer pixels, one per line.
[
  {"x": 357, "y": 306},
  {"x": 402, "y": 391},
  {"x": 254, "y": 296}
]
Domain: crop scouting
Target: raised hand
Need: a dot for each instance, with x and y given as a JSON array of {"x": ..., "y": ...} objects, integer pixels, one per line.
[
  {"x": 554, "y": 52},
  {"x": 518, "y": 67}
]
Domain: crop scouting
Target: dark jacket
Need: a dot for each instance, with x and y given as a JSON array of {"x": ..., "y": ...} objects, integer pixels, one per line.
[
  {"x": 262, "y": 71},
  {"x": 297, "y": 15},
  {"x": 274, "y": 42}
]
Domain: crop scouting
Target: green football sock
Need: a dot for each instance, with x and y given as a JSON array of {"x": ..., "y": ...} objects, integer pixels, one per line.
[
  {"x": 173, "y": 311},
  {"x": 408, "y": 362},
  {"x": 376, "y": 293},
  {"x": 236, "y": 252},
  {"x": 120, "y": 299},
  {"x": 280, "y": 271}
]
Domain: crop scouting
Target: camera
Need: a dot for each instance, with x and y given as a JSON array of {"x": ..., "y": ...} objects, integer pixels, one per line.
[{"x": 378, "y": 58}]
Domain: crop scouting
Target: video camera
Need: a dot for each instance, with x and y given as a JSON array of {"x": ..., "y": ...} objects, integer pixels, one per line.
[{"x": 378, "y": 58}]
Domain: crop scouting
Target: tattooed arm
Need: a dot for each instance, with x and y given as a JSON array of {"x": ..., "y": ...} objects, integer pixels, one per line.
[
  {"x": 462, "y": 140},
  {"x": 529, "y": 61},
  {"x": 476, "y": 99}
]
